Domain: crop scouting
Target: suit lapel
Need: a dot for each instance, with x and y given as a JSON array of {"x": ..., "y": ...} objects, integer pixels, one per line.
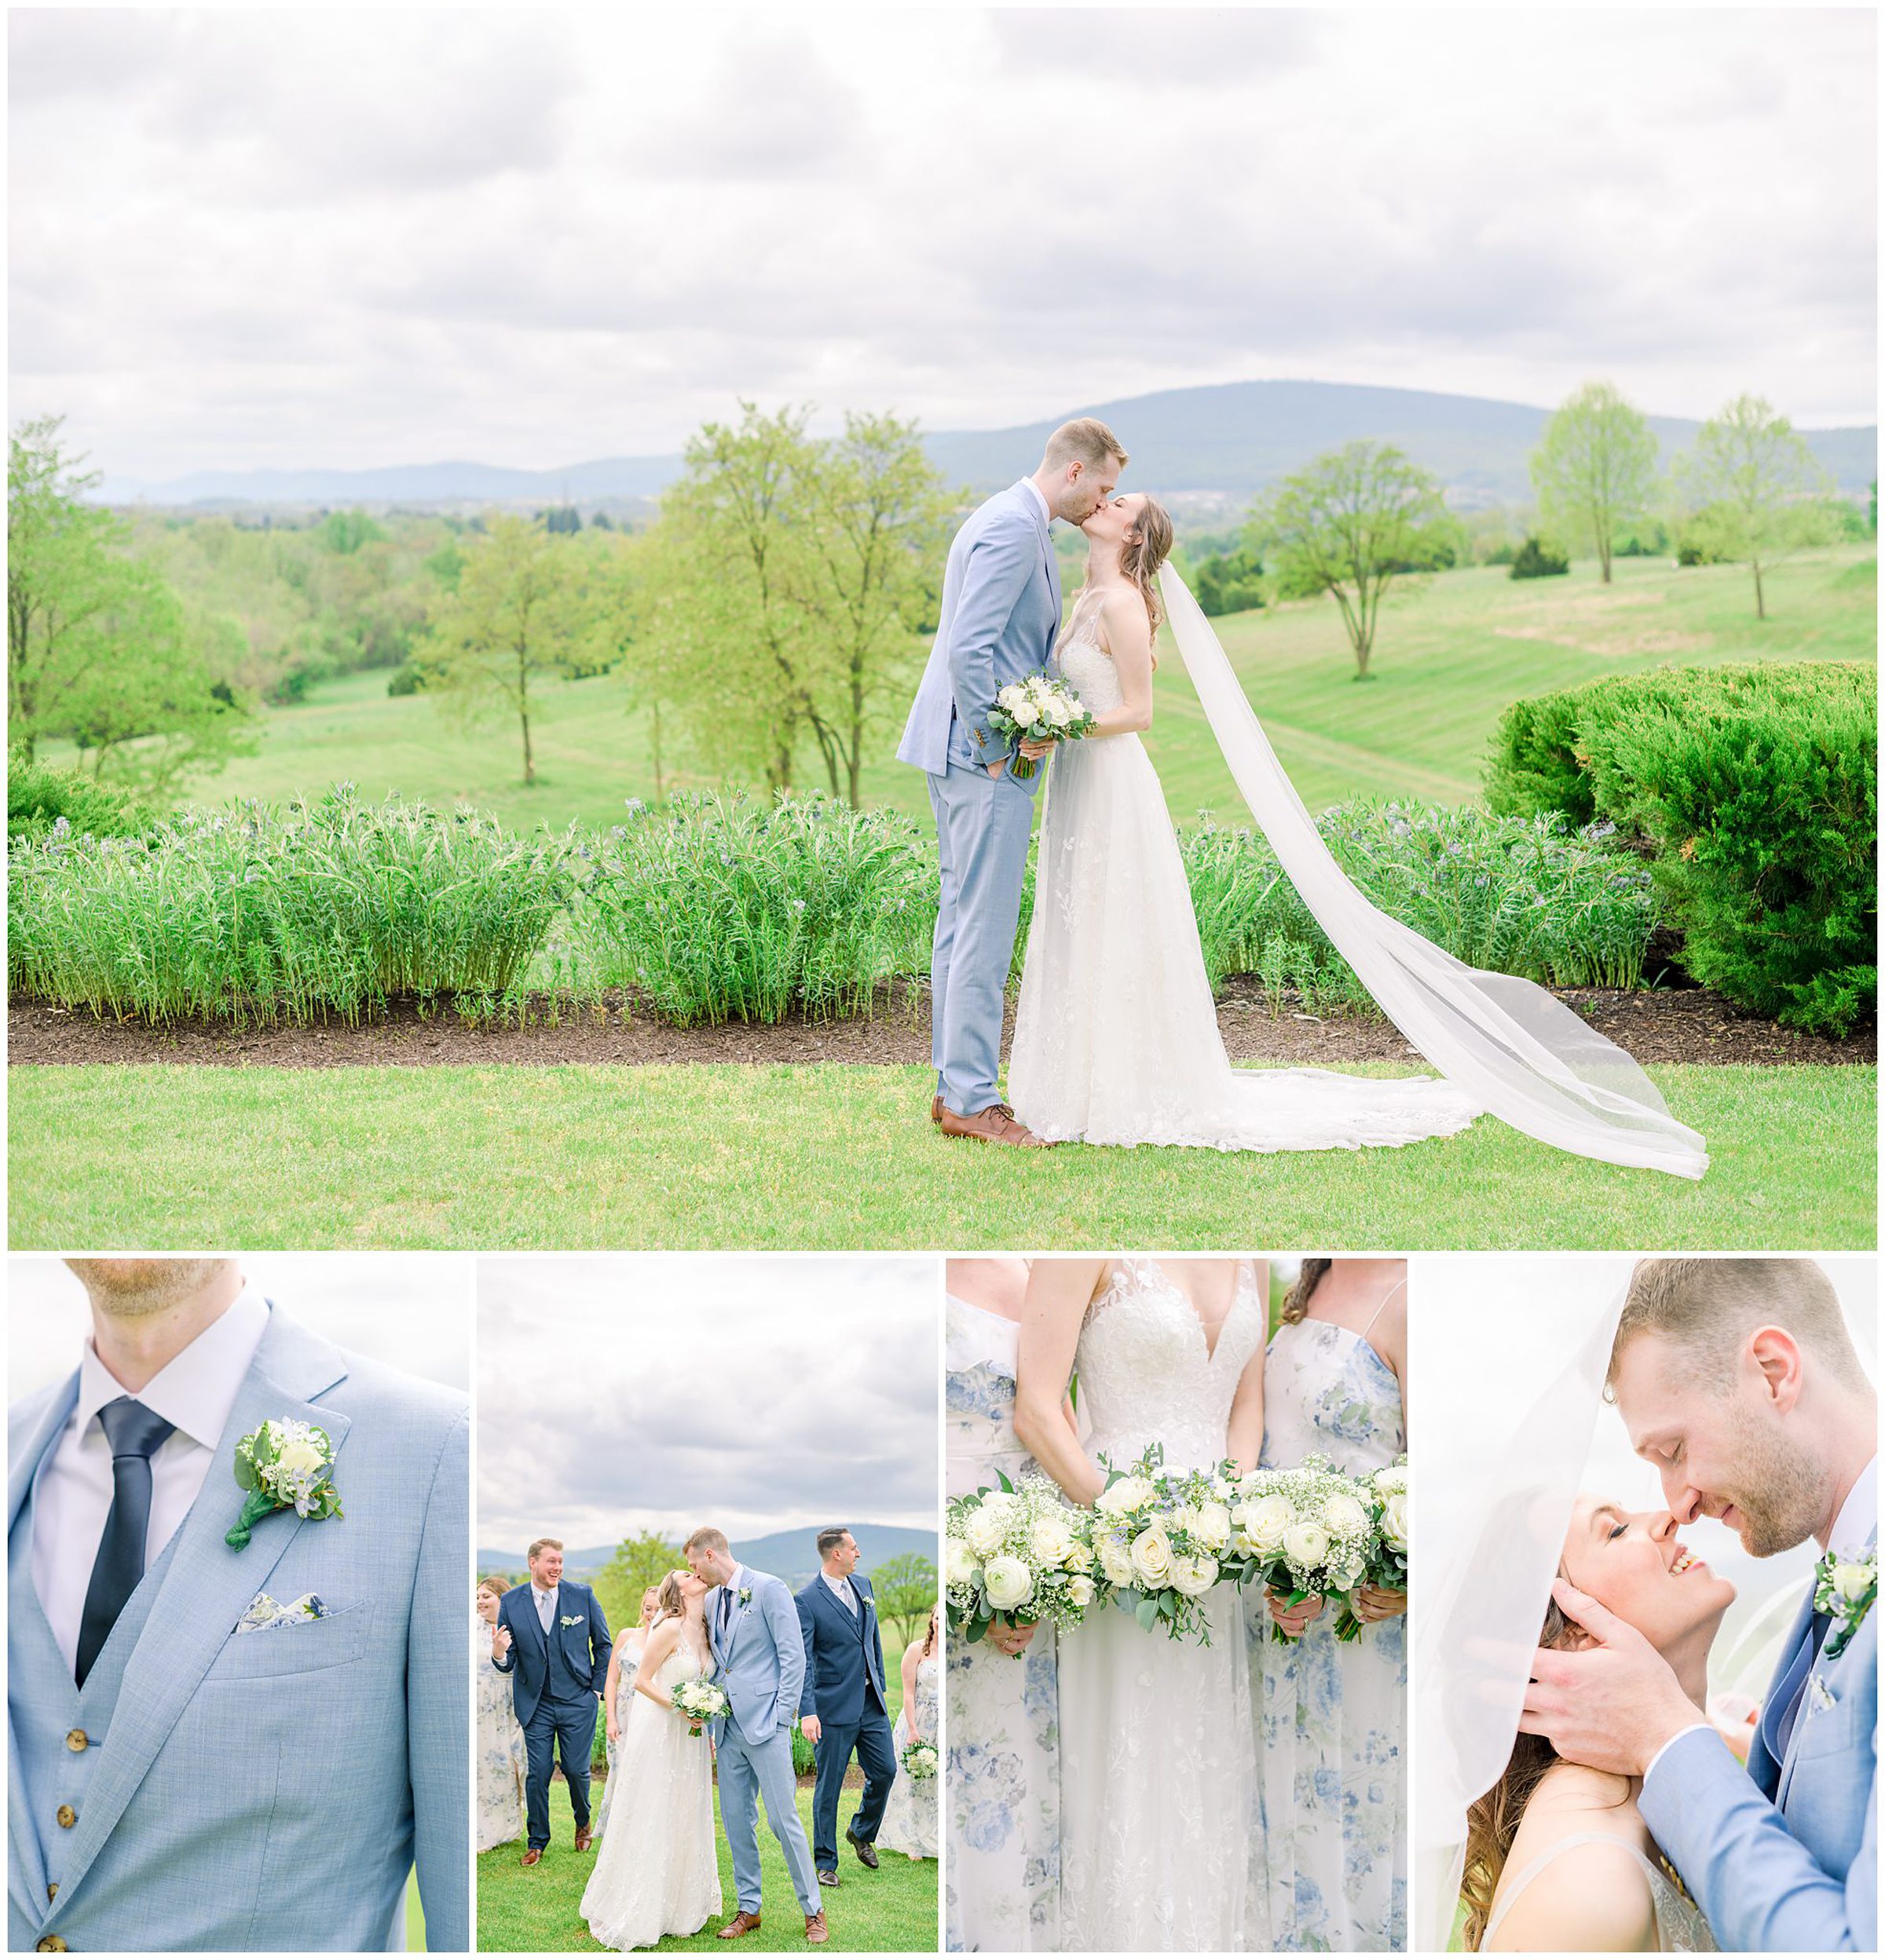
[
  {"x": 208, "y": 1586},
  {"x": 32, "y": 1449},
  {"x": 1766, "y": 1754}
]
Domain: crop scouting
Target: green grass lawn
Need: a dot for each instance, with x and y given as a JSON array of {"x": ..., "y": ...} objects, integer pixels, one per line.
[
  {"x": 1449, "y": 657},
  {"x": 837, "y": 1156},
  {"x": 891, "y": 1909}
]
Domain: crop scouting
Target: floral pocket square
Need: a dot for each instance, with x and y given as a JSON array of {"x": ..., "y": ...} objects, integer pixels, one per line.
[
  {"x": 574, "y": 1619},
  {"x": 264, "y": 1613}
]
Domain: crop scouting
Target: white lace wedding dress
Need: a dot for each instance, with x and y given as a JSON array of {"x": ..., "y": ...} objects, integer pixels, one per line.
[
  {"x": 1157, "y": 1746},
  {"x": 657, "y": 1868},
  {"x": 1116, "y": 1039}
]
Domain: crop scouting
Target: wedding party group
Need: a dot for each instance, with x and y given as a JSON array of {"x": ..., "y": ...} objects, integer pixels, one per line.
[
  {"x": 236, "y": 1709},
  {"x": 1606, "y": 1767},
  {"x": 702, "y": 1694},
  {"x": 1176, "y": 1574},
  {"x": 1116, "y": 1040}
]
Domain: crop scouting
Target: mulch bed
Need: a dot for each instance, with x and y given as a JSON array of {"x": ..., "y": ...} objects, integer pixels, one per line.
[{"x": 1689, "y": 1025}]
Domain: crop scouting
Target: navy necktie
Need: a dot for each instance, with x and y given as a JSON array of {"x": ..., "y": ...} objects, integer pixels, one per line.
[{"x": 135, "y": 1434}]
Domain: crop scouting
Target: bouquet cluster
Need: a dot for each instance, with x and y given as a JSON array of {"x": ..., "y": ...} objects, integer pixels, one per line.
[
  {"x": 1386, "y": 1493},
  {"x": 1038, "y": 708},
  {"x": 919, "y": 1761},
  {"x": 700, "y": 1701},
  {"x": 1310, "y": 1530},
  {"x": 1014, "y": 1554},
  {"x": 1163, "y": 1538}
]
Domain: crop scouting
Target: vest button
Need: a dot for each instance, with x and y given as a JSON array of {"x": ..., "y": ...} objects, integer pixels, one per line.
[
  {"x": 67, "y": 1816},
  {"x": 76, "y": 1740},
  {"x": 51, "y": 1943}
]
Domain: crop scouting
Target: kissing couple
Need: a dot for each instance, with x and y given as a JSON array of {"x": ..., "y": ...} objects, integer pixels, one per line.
[
  {"x": 1116, "y": 1039},
  {"x": 1624, "y": 1819}
]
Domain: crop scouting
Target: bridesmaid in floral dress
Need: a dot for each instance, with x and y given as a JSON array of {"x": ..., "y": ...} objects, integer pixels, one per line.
[
  {"x": 1328, "y": 1844},
  {"x": 910, "y": 1817},
  {"x": 500, "y": 1737},
  {"x": 618, "y": 1692},
  {"x": 1003, "y": 1771}
]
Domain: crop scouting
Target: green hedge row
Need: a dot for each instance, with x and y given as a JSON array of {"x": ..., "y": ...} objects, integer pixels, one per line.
[{"x": 1752, "y": 792}]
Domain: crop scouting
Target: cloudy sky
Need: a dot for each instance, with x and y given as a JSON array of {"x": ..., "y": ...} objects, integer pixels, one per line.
[
  {"x": 362, "y": 236},
  {"x": 662, "y": 1391},
  {"x": 409, "y": 1310}
]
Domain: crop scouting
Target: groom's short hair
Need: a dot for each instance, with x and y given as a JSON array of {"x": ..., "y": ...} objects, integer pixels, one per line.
[
  {"x": 1706, "y": 1308},
  {"x": 709, "y": 1539},
  {"x": 1086, "y": 439},
  {"x": 540, "y": 1546}
]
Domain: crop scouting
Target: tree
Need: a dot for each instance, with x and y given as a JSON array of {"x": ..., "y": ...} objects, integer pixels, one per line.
[
  {"x": 638, "y": 1562},
  {"x": 1751, "y": 492},
  {"x": 515, "y": 614},
  {"x": 1350, "y": 524},
  {"x": 1594, "y": 469},
  {"x": 1229, "y": 581},
  {"x": 905, "y": 1589},
  {"x": 878, "y": 526},
  {"x": 99, "y": 648}
]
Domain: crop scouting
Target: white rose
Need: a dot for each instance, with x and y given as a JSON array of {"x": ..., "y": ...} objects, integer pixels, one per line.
[
  {"x": 1050, "y": 1541},
  {"x": 1305, "y": 1543},
  {"x": 1393, "y": 1481},
  {"x": 984, "y": 1530},
  {"x": 1213, "y": 1527},
  {"x": 1059, "y": 713},
  {"x": 1115, "y": 1563},
  {"x": 1193, "y": 1573},
  {"x": 1394, "y": 1521},
  {"x": 1009, "y": 1584},
  {"x": 1343, "y": 1514},
  {"x": 298, "y": 1460},
  {"x": 1263, "y": 1522},
  {"x": 1221, "y": 1489},
  {"x": 1024, "y": 712},
  {"x": 959, "y": 1563},
  {"x": 1125, "y": 1494},
  {"x": 1151, "y": 1556},
  {"x": 1848, "y": 1580},
  {"x": 1080, "y": 1589}
]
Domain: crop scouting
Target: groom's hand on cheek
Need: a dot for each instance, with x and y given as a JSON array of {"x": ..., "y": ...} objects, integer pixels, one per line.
[{"x": 1611, "y": 1706}]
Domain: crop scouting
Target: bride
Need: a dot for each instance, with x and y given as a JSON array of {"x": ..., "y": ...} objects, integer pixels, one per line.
[
  {"x": 657, "y": 1871},
  {"x": 1116, "y": 1038},
  {"x": 1557, "y": 1855},
  {"x": 1157, "y": 1746}
]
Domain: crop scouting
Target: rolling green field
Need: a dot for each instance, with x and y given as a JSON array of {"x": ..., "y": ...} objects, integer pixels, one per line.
[
  {"x": 837, "y": 1156},
  {"x": 1450, "y": 656}
]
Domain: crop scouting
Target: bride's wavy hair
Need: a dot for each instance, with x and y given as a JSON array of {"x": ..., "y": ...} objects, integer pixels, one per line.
[
  {"x": 1144, "y": 551},
  {"x": 669, "y": 1604}
]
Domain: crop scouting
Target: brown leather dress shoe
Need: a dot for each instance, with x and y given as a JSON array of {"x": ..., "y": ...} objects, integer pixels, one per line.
[
  {"x": 814, "y": 1929},
  {"x": 739, "y": 1926},
  {"x": 998, "y": 1123},
  {"x": 534, "y": 1855},
  {"x": 584, "y": 1838},
  {"x": 936, "y": 1110}
]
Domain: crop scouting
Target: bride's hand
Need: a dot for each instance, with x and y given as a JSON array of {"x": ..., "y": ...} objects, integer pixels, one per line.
[
  {"x": 613, "y": 1727},
  {"x": 1034, "y": 751},
  {"x": 1374, "y": 1602}
]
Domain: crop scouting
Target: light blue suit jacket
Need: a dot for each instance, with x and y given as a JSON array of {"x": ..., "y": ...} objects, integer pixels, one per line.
[
  {"x": 1000, "y": 617},
  {"x": 1782, "y": 1856},
  {"x": 272, "y": 1790},
  {"x": 761, "y": 1658}
]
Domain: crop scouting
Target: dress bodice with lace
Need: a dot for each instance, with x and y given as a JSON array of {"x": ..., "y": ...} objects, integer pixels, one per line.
[
  {"x": 1148, "y": 1372},
  {"x": 1085, "y": 665}
]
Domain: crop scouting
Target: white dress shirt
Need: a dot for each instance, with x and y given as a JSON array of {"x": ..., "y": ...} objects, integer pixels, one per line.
[
  {"x": 1033, "y": 490},
  {"x": 843, "y": 1589},
  {"x": 72, "y": 1498}
]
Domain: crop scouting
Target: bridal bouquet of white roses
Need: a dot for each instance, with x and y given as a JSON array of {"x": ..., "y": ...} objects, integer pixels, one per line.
[
  {"x": 700, "y": 1701},
  {"x": 919, "y": 1760},
  {"x": 1038, "y": 708},
  {"x": 1163, "y": 1538},
  {"x": 1014, "y": 1554},
  {"x": 1305, "y": 1531},
  {"x": 1386, "y": 1494}
]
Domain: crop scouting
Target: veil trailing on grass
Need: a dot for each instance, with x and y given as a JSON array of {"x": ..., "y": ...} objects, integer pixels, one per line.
[{"x": 1520, "y": 1054}]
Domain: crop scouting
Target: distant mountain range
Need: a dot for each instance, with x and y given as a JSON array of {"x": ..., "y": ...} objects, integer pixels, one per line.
[
  {"x": 791, "y": 1556},
  {"x": 1233, "y": 440}
]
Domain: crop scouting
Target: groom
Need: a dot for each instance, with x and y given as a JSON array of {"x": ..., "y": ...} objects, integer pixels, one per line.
[
  {"x": 231, "y": 1747},
  {"x": 1000, "y": 615},
  {"x": 551, "y": 1638},
  {"x": 1737, "y": 1379},
  {"x": 759, "y": 1660}
]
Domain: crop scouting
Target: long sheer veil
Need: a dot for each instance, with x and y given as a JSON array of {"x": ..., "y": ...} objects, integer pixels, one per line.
[{"x": 1520, "y": 1054}]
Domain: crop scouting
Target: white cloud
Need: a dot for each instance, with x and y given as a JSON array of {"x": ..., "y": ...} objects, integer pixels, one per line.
[{"x": 364, "y": 236}]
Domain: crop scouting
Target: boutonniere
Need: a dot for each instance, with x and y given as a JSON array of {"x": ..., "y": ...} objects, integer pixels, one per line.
[
  {"x": 746, "y": 1596},
  {"x": 1844, "y": 1590},
  {"x": 573, "y": 1619},
  {"x": 284, "y": 1466}
]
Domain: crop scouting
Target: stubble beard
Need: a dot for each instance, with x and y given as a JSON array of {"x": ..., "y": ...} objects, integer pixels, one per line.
[
  {"x": 1790, "y": 1502},
  {"x": 132, "y": 1288}
]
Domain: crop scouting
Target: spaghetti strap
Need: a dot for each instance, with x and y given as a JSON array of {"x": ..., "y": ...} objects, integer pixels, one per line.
[
  {"x": 1537, "y": 1865},
  {"x": 1398, "y": 1286}
]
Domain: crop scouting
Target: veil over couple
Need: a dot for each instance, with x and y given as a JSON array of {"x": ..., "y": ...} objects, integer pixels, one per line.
[
  {"x": 1621, "y": 1819},
  {"x": 1116, "y": 1038}
]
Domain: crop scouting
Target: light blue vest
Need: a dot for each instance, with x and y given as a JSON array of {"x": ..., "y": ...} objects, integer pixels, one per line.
[{"x": 60, "y": 1730}]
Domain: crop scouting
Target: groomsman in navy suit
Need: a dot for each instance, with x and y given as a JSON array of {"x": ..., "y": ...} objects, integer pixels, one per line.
[
  {"x": 842, "y": 1709},
  {"x": 552, "y": 1639}
]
